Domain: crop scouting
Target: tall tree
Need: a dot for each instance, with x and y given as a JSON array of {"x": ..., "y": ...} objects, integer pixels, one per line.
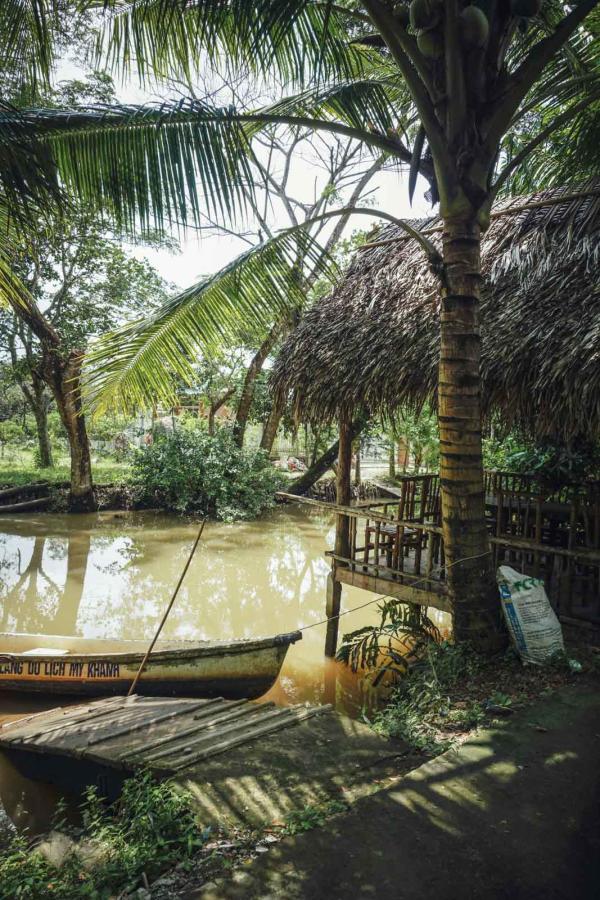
[
  {"x": 440, "y": 86},
  {"x": 81, "y": 283},
  {"x": 341, "y": 177}
]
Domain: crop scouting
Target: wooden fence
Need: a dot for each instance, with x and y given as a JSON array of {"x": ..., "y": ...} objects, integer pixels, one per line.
[{"x": 396, "y": 543}]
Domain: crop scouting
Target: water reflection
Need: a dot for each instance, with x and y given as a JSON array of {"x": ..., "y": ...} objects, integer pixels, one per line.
[{"x": 111, "y": 574}]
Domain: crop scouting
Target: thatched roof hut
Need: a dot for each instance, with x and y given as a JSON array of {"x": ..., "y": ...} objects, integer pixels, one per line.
[{"x": 374, "y": 342}]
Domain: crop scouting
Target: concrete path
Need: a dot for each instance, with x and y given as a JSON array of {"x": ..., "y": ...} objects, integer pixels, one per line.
[{"x": 514, "y": 813}]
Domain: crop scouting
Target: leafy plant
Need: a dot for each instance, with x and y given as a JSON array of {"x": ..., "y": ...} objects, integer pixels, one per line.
[
  {"x": 313, "y": 815},
  {"x": 390, "y": 647},
  {"x": 420, "y": 704},
  {"x": 557, "y": 464},
  {"x": 150, "y": 828},
  {"x": 190, "y": 470}
]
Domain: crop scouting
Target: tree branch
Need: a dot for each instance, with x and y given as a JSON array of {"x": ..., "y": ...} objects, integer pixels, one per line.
[
  {"x": 352, "y": 201},
  {"x": 430, "y": 249}
]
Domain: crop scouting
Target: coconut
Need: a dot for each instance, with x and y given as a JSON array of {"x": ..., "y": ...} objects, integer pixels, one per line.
[
  {"x": 526, "y": 8},
  {"x": 402, "y": 14},
  {"x": 425, "y": 14},
  {"x": 431, "y": 43},
  {"x": 475, "y": 28}
]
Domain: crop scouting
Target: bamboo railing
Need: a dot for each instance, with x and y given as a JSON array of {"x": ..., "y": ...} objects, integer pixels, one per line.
[{"x": 553, "y": 535}]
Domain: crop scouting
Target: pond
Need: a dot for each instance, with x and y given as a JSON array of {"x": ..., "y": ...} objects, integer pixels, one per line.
[{"x": 110, "y": 575}]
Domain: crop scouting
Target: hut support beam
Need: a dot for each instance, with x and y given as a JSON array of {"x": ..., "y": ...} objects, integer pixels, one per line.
[{"x": 342, "y": 530}]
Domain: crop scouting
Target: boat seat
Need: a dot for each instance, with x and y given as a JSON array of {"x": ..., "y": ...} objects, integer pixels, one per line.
[{"x": 44, "y": 651}]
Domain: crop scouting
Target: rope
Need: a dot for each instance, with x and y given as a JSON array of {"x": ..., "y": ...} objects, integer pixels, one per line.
[
  {"x": 167, "y": 611},
  {"x": 382, "y": 597}
]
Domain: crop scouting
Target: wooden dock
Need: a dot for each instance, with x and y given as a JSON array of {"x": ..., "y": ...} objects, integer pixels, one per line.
[
  {"x": 164, "y": 735},
  {"x": 243, "y": 761}
]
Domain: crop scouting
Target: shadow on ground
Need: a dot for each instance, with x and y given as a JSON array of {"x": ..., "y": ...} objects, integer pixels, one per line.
[{"x": 514, "y": 813}]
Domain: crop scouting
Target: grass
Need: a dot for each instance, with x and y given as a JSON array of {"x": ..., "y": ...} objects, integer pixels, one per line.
[
  {"x": 453, "y": 690},
  {"x": 151, "y": 827},
  {"x": 18, "y": 467}
]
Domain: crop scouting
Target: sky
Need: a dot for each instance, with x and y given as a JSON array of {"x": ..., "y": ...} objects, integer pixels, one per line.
[{"x": 200, "y": 255}]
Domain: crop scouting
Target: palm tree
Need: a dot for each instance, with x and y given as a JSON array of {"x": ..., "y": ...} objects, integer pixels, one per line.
[{"x": 463, "y": 93}]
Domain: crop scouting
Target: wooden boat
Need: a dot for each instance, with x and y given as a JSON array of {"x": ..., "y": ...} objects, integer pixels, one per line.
[{"x": 73, "y": 665}]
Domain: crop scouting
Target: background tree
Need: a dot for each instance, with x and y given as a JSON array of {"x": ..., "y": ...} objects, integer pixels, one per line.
[{"x": 342, "y": 176}]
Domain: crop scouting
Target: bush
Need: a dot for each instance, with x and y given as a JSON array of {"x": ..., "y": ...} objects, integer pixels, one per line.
[
  {"x": 420, "y": 703},
  {"x": 151, "y": 828},
  {"x": 189, "y": 470}
]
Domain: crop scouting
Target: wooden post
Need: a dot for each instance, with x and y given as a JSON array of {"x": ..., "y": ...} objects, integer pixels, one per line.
[{"x": 342, "y": 531}]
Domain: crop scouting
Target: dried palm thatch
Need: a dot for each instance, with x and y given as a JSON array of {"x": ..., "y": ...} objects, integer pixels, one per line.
[{"x": 374, "y": 342}]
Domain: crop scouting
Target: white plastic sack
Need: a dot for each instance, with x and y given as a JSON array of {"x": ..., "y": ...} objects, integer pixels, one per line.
[{"x": 532, "y": 623}]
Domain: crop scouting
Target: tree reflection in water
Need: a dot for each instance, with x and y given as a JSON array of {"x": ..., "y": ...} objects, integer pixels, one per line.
[{"x": 111, "y": 574}]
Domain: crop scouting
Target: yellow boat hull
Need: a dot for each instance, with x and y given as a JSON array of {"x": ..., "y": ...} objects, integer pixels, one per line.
[{"x": 64, "y": 665}]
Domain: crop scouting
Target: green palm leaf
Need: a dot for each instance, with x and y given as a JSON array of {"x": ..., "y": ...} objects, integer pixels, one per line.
[
  {"x": 27, "y": 171},
  {"x": 26, "y": 40},
  {"x": 153, "y": 165},
  {"x": 371, "y": 105},
  {"x": 139, "y": 363},
  {"x": 292, "y": 40},
  {"x": 141, "y": 164}
]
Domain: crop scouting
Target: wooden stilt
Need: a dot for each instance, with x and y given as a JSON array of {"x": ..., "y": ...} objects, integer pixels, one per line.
[
  {"x": 332, "y": 611},
  {"x": 342, "y": 531}
]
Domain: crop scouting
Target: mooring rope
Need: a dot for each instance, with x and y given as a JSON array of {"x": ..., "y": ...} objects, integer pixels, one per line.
[{"x": 347, "y": 612}]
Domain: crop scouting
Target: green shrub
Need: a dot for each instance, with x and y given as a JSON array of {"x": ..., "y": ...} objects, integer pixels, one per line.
[
  {"x": 189, "y": 470},
  {"x": 421, "y": 703},
  {"x": 151, "y": 828}
]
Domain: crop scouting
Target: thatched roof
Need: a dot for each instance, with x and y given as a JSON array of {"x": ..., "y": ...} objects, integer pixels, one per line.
[{"x": 374, "y": 342}]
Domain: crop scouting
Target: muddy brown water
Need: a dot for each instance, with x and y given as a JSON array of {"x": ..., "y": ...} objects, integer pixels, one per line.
[{"x": 110, "y": 575}]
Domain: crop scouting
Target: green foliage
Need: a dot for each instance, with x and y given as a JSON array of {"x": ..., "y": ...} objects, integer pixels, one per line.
[
  {"x": 498, "y": 450},
  {"x": 143, "y": 360},
  {"x": 150, "y": 828},
  {"x": 189, "y": 470},
  {"x": 420, "y": 703},
  {"x": 390, "y": 647},
  {"x": 313, "y": 815},
  {"x": 557, "y": 464},
  {"x": 19, "y": 468},
  {"x": 419, "y": 431}
]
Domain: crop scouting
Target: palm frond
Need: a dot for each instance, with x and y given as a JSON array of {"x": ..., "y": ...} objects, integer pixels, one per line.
[
  {"x": 27, "y": 171},
  {"x": 295, "y": 41},
  {"x": 371, "y": 105},
  {"x": 139, "y": 364},
  {"x": 13, "y": 292},
  {"x": 143, "y": 164},
  {"x": 26, "y": 42},
  {"x": 571, "y": 81}
]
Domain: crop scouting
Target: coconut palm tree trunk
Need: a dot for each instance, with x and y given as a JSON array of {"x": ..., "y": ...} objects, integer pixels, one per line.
[{"x": 469, "y": 571}]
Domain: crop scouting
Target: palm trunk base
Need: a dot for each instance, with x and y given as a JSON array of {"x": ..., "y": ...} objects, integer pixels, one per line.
[{"x": 477, "y": 616}]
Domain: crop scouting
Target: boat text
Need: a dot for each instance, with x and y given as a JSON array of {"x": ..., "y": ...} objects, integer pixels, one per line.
[{"x": 60, "y": 668}]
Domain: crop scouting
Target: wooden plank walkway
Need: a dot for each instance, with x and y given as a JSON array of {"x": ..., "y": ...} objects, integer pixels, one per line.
[{"x": 163, "y": 734}]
